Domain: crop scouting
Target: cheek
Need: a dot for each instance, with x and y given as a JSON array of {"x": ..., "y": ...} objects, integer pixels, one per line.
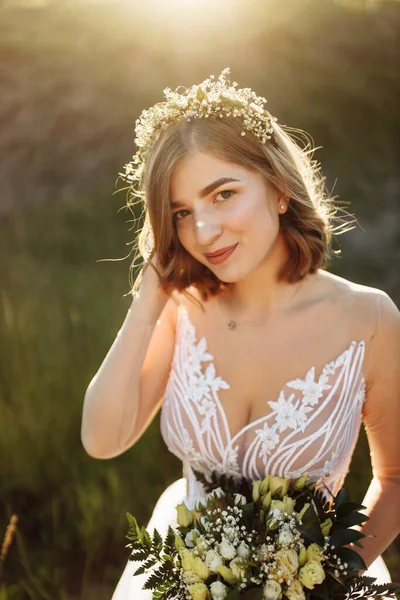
[
  {"x": 185, "y": 237},
  {"x": 257, "y": 218}
]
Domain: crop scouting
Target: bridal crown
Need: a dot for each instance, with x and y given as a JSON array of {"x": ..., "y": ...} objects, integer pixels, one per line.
[{"x": 209, "y": 98}]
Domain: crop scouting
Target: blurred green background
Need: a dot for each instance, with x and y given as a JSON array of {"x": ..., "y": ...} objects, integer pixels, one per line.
[{"x": 73, "y": 77}]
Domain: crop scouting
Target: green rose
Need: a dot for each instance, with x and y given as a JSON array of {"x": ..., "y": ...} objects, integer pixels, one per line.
[
  {"x": 179, "y": 543},
  {"x": 302, "y": 556},
  {"x": 300, "y": 482},
  {"x": 256, "y": 490},
  {"x": 326, "y": 526},
  {"x": 184, "y": 516},
  {"x": 315, "y": 552},
  {"x": 227, "y": 574},
  {"x": 288, "y": 504},
  {"x": 187, "y": 558},
  {"x": 303, "y": 510},
  {"x": 264, "y": 487},
  {"x": 200, "y": 568},
  {"x": 266, "y": 502},
  {"x": 279, "y": 486},
  {"x": 311, "y": 574},
  {"x": 198, "y": 591}
]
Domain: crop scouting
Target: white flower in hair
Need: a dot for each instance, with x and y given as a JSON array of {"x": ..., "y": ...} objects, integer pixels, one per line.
[{"x": 211, "y": 98}]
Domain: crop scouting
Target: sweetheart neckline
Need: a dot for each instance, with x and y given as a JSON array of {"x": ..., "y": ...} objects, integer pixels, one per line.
[{"x": 333, "y": 364}]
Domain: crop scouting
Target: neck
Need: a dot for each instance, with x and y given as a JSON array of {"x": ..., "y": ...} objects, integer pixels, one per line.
[{"x": 261, "y": 294}]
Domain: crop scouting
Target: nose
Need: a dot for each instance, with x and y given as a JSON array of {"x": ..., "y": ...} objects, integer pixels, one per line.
[{"x": 207, "y": 230}]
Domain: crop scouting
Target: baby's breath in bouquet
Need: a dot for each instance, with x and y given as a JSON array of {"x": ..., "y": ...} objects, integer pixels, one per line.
[{"x": 261, "y": 540}]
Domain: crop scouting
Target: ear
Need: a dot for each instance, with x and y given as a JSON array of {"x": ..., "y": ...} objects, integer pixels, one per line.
[{"x": 283, "y": 200}]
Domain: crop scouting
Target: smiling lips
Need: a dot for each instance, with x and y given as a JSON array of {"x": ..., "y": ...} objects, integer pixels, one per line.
[{"x": 220, "y": 255}]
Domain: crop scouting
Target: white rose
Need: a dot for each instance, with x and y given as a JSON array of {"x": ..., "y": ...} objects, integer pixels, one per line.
[
  {"x": 276, "y": 514},
  {"x": 240, "y": 500},
  {"x": 285, "y": 538},
  {"x": 262, "y": 553},
  {"x": 230, "y": 533},
  {"x": 205, "y": 522},
  {"x": 201, "y": 545},
  {"x": 218, "y": 590},
  {"x": 200, "y": 504},
  {"x": 218, "y": 492},
  {"x": 243, "y": 550},
  {"x": 190, "y": 538},
  {"x": 227, "y": 550},
  {"x": 272, "y": 590},
  {"x": 213, "y": 560}
]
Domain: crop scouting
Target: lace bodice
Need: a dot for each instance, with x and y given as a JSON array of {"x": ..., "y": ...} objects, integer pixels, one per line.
[{"x": 311, "y": 427}]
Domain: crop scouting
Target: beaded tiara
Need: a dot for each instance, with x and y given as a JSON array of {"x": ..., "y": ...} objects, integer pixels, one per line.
[{"x": 211, "y": 98}]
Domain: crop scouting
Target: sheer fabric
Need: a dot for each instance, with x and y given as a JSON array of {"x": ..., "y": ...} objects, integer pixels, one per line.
[{"x": 310, "y": 426}]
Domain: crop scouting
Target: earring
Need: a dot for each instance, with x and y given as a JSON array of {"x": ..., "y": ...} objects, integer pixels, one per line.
[{"x": 282, "y": 207}]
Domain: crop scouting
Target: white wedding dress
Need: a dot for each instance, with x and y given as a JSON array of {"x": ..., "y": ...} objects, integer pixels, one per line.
[{"x": 312, "y": 427}]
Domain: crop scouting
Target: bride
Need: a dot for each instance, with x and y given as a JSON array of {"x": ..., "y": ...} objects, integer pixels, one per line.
[{"x": 262, "y": 360}]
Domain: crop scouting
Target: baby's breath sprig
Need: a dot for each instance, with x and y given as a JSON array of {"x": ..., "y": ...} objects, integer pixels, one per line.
[{"x": 212, "y": 98}]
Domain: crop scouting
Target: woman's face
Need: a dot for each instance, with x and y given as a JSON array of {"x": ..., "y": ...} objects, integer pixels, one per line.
[{"x": 217, "y": 204}]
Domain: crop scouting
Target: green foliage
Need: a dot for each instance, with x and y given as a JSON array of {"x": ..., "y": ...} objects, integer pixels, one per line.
[
  {"x": 356, "y": 588},
  {"x": 159, "y": 559},
  {"x": 57, "y": 324}
]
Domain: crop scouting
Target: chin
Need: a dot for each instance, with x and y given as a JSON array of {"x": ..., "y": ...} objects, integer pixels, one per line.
[{"x": 233, "y": 277}]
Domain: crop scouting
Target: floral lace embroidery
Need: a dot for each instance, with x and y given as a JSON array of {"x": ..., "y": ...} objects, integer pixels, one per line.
[
  {"x": 269, "y": 439},
  {"x": 312, "y": 390},
  {"x": 195, "y": 427}
]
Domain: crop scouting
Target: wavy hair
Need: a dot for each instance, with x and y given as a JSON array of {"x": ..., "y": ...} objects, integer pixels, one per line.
[{"x": 307, "y": 225}]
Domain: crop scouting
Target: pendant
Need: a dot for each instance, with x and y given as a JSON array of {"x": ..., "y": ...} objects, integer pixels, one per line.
[{"x": 232, "y": 324}]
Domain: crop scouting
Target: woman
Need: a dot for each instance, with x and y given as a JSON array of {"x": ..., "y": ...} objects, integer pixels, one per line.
[{"x": 266, "y": 362}]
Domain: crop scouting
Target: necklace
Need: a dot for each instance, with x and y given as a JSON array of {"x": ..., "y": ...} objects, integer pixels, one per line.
[{"x": 232, "y": 324}]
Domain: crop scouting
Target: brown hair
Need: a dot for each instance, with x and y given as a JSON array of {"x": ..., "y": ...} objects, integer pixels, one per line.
[{"x": 307, "y": 224}]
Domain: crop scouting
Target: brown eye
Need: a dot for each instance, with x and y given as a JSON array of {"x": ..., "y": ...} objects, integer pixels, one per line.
[
  {"x": 179, "y": 218},
  {"x": 231, "y": 192}
]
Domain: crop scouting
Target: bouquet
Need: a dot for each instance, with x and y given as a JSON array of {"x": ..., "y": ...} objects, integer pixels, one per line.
[{"x": 269, "y": 539}]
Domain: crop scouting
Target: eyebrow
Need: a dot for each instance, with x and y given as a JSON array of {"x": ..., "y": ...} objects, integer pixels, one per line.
[{"x": 208, "y": 189}]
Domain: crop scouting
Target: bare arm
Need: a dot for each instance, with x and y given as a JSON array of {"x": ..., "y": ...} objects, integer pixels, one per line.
[
  {"x": 382, "y": 421},
  {"x": 126, "y": 392}
]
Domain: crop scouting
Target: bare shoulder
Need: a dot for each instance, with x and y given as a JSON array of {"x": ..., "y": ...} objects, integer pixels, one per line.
[
  {"x": 369, "y": 305},
  {"x": 190, "y": 299},
  {"x": 359, "y": 293}
]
